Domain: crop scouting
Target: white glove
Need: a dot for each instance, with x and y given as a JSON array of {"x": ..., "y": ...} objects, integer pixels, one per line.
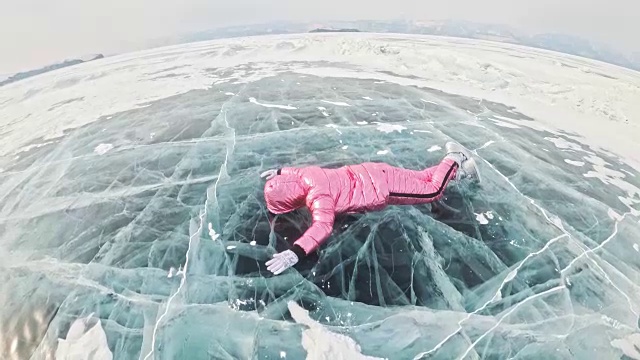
[
  {"x": 282, "y": 261},
  {"x": 269, "y": 174}
]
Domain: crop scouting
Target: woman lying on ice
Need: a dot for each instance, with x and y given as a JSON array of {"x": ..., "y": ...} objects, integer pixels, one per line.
[{"x": 353, "y": 189}]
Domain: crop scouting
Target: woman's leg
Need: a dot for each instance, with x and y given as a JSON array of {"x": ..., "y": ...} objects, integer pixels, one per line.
[{"x": 408, "y": 187}]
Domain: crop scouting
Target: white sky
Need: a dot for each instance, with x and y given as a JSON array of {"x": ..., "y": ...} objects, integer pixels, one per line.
[{"x": 38, "y": 32}]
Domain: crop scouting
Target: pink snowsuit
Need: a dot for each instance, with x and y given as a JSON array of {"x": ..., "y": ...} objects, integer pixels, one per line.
[{"x": 351, "y": 189}]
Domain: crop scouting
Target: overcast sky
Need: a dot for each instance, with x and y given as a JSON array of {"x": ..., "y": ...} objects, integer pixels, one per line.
[{"x": 37, "y": 32}]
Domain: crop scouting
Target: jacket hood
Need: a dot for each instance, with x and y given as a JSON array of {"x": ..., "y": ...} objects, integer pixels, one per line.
[{"x": 284, "y": 193}]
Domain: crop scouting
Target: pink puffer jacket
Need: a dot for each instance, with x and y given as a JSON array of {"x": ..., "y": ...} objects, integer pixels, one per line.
[{"x": 351, "y": 189}]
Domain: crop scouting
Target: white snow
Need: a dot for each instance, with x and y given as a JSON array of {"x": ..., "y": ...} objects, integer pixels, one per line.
[
  {"x": 212, "y": 233},
  {"x": 383, "y": 152},
  {"x": 367, "y": 98},
  {"x": 345, "y": 147},
  {"x": 429, "y": 102},
  {"x": 486, "y": 144},
  {"x": 481, "y": 219},
  {"x": 103, "y": 149},
  {"x": 336, "y": 103},
  {"x": 614, "y": 215},
  {"x": 285, "y": 107},
  {"x": 252, "y": 243},
  {"x": 574, "y": 163},
  {"x": 322, "y": 344},
  {"x": 561, "y": 143},
  {"x": 84, "y": 341},
  {"x": 229, "y": 93},
  {"x": 636, "y": 247},
  {"x": 505, "y": 124},
  {"x": 630, "y": 345},
  {"x": 434, "y": 148},
  {"x": 362, "y": 123},
  {"x": 422, "y": 131},
  {"x": 389, "y": 128},
  {"x": 593, "y": 106},
  {"x": 323, "y": 110}
]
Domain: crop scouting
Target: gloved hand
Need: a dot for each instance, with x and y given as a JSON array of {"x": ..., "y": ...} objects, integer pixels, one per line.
[
  {"x": 269, "y": 174},
  {"x": 282, "y": 261}
]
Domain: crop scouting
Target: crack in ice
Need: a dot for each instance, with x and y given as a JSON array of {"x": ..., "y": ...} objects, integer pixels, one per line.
[
  {"x": 203, "y": 212},
  {"x": 508, "y": 278},
  {"x": 561, "y": 287}
]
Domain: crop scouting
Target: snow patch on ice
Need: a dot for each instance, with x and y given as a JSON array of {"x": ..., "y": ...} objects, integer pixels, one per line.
[
  {"x": 434, "y": 148},
  {"x": 345, "y": 147},
  {"x": 574, "y": 163},
  {"x": 561, "y": 143},
  {"x": 212, "y": 233},
  {"x": 86, "y": 339},
  {"x": 383, "y": 152},
  {"x": 323, "y": 110},
  {"x": 336, "y": 103},
  {"x": 229, "y": 93},
  {"x": 481, "y": 219},
  {"x": 422, "y": 131},
  {"x": 630, "y": 345},
  {"x": 285, "y": 107},
  {"x": 389, "y": 128},
  {"x": 362, "y": 123},
  {"x": 320, "y": 343},
  {"x": 103, "y": 149},
  {"x": 636, "y": 247},
  {"x": 614, "y": 215},
  {"x": 505, "y": 124},
  {"x": 428, "y": 102},
  {"x": 486, "y": 144},
  {"x": 367, "y": 98}
]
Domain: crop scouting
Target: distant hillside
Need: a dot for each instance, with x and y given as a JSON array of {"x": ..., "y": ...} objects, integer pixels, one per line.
[
  {"x": 27, "y": 74},
  {"x": 322, "y": 30}
]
